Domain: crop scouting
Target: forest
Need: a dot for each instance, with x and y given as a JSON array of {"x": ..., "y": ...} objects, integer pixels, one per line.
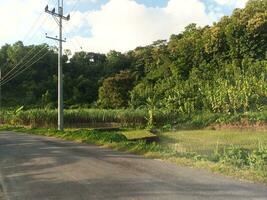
[{"x": 218, "y": 69}]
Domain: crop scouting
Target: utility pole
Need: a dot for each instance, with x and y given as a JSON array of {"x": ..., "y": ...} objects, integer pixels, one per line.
[
  {"x": 1, "y": 95},
  {"x": 59, "y": 17}
]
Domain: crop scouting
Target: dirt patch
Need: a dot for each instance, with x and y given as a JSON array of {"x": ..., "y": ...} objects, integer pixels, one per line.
[{"x": 243, "y": 125}]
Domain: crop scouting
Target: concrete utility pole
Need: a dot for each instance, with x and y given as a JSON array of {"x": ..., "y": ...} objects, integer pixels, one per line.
[
  {"x": 0, "y": 93},
  {"x": 59, "y": 17}
]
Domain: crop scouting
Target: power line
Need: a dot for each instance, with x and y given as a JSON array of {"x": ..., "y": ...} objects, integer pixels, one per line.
[
  {"x": 34, "y": 24},
  {"x": 32, "y": 28},
  {"x": 7, "y": 76},
  {"x": 25, "y": 38},
  {"x": 68, "y": 25},
  {"x": 17, "y": 67},
  {"x": 15, "y": 75},
  {"x": 19, "y": 63},
  {"x": 25, "y": 69},
  {"x": 18, "y": 71},
  {"x": 25, "y": 56},
  {"x": 75, "y": 41},
  {"x": 74, "y": 7}
]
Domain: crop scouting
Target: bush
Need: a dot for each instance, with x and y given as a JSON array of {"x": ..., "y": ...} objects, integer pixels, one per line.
[
  {"x": 243, "y": 158},
  {"x": 235, "y": 156},
  {"x": 258, "y": 158}
]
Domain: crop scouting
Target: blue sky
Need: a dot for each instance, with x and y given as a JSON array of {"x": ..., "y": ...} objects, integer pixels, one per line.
[
  {"x": 84, "y": 6},
  {"x": 104, "y": 25},
  {"x": 226, "y": 8}
]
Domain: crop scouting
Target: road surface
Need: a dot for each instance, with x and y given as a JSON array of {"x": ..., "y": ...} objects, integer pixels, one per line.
[{"x": 41, "y": 168}]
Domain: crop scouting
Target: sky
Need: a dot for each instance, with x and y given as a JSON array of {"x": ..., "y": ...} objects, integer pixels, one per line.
[{"x": 104, "y": 25}]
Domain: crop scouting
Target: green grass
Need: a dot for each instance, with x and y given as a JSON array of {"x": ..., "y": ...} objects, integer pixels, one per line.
[
  {"x": 137, "y": 134},
  {"x": 76, "y": 117},
  {"x": 205, "y": 142},
  {"x": 188, "y": 148},
  {"x": 135, "y": 118}
]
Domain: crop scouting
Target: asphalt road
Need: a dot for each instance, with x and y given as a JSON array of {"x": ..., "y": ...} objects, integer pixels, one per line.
[{"x": 41, "y": 168}]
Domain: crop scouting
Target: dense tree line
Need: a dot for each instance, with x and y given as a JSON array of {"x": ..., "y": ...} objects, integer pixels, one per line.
[{"x": 218, "y": 68}]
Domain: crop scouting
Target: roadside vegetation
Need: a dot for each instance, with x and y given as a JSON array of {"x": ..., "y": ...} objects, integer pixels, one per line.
[{"x": 132, "y": 118}]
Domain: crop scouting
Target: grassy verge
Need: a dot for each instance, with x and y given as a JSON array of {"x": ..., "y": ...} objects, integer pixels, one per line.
[{"x": 248, "y": 164}]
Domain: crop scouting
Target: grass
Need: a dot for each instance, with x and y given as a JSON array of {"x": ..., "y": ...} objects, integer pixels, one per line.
[
  {"x": 136, "y": 118},
  {"x": 188, "y": 148},
  {"x": 76, "y": 117},
  {"x": 205, "y": 142},
  {"x": 137, "y": 134}
]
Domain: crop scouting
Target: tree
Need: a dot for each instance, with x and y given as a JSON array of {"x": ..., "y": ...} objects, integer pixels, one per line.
[{"x": 114, "y": 92}]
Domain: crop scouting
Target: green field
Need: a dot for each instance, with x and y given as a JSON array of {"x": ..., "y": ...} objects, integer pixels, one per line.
[{"x": 205, "y": 142}]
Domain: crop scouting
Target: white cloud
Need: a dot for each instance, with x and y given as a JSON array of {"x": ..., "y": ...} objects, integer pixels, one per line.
[
  {"x": 233, "y": 3},
  {"x": 124, "y": 24},
  {"x": 26, "y": 20},
  {"x": 119, "y": 24},
  {"x": 78, "y": 20}
]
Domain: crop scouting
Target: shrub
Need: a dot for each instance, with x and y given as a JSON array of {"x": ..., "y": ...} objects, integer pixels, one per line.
[{"x": 243, "y": 158}]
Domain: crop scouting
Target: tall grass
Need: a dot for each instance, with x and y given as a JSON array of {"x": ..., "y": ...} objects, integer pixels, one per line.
[
  {"x": 124, "y": 118},
  {"x": 83, "y": 117}
]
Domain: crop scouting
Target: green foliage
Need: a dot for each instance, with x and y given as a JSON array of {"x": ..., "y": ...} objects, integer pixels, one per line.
[
  {"x": 220, "y": 69},
  {"x": 19, "y": 110},
  {"x": 114, "y": 92},
  {"x": 126, "y": 118},
  {"x": 76, "y": 117},
  {"x": 151, "y": 109},
  {"x": 242, "y": 158},
  {"x": 235, "y": 156},
  {"x": 100, "y": 136},
  {"x": 258, "y": 159}
]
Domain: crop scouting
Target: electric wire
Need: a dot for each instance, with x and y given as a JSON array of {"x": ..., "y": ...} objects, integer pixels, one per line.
[
  {"x": 75, "y": 42},
  {"x": 19, "y": 66},
  {"x": 21, "y": 63},
  {"x": 26, "y": 37},
  {"x": 22, "y": 66},
  {"x": 24, "y": 69},
  {"x": 76, "y": 46},
  {"x": 26, "y": 56},
  {"x": 32, "y": 28},
  {"x": 74, "y": 6}
]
